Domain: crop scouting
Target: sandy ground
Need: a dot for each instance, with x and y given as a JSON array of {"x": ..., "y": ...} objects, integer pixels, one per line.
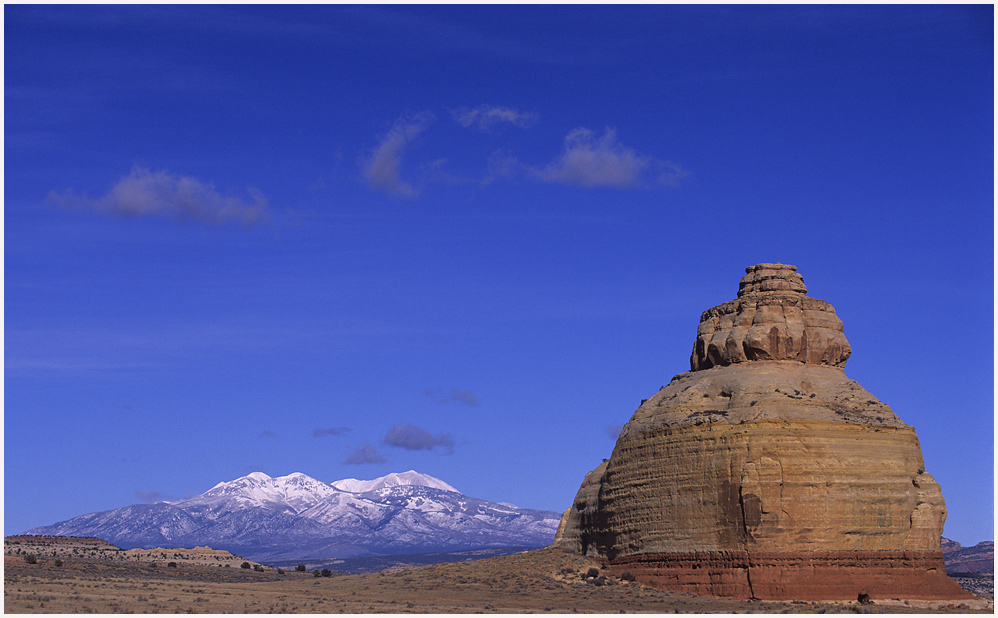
[{"x": 542, "y": 581}]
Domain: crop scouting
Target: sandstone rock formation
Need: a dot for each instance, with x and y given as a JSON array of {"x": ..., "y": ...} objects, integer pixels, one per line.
[
  {"x": 765, "y": 472},
  {"x": 771, "y": 319}
]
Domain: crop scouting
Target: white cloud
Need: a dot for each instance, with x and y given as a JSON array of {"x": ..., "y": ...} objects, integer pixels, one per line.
[
  {"x": 381, "y": 169},
  {"x": 365, "y": 454},
  {"x": 147, "y": 193},
  {"x": 413, "y": 438},
  {"x": 151, "y": 496},
  {"x": 320, "y": 432},
  {"x": 588, "y": 159},
  {"x": 592, "y": 161},
  {"x": 484, "y": 116}
]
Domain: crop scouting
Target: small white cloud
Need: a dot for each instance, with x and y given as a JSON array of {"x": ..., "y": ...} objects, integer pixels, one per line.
[
  {"x": 484, "y": 117},
  {"x": 147, "y": 193},
  {"x": 592, "y": 161},
  {"x": 364, "y": 454},
  {"x": 321, "y": 432},
  {"x": 413, "y": 438},
  {"x": 381, "y": 168},
  {"x": 151, "y": 496},
  {"x": 463, "y": 397}
]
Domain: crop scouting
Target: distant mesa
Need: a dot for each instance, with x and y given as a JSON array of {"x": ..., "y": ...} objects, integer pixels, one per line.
[
  {"x": 74, "y": 548},
  {"x": 969, "y": 560},
  {"x": 765, "y": 472}
]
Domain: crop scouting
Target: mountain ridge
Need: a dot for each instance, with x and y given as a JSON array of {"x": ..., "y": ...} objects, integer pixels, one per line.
[
  {"x": 410, "y": 477},
  {"x": 979, "y": 558},
  {"x": 296, "y": 517}
]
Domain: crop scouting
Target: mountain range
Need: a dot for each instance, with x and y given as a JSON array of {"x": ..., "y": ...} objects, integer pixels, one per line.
[{"x": 298, "y": 517}]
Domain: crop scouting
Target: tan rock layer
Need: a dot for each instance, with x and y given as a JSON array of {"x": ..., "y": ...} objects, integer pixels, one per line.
[
  {"x": 760, "y": 486},
  {"x": 772, "y": 319},
  {"x": 771, "y": 278},
  {"x": 559, "y": 534},
  {"x": 805, "y": 576},
  {"x": 762, "y": 390},
  {"x": 572, "y": 525},
  {"x": 774, "y": 326}
]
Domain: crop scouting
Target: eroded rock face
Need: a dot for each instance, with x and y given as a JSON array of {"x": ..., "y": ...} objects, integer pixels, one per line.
[
  {"x": 772, "y": 319},
  {"x": 766, "y": 472},
  {"x": 574, "y": 521}
]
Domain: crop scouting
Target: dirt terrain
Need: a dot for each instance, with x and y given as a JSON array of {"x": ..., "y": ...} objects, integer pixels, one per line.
[{"x": 53, "y": 575}]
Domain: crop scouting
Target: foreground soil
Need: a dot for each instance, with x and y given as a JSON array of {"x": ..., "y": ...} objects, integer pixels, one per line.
[{"x": 108, "y": 580}]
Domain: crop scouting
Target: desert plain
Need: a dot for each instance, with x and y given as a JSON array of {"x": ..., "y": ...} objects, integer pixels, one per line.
[{"x": 68, "y": 575}]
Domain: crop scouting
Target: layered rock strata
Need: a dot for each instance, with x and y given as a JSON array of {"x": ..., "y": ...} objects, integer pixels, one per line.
[
  {"x": 772, "y": 319},
  {"x": 765, "y": 472}
]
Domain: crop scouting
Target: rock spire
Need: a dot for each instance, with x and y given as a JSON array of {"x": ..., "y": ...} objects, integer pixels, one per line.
[
  {"x": 772, "y": 319},
  {"x": 765, "y": 472}
]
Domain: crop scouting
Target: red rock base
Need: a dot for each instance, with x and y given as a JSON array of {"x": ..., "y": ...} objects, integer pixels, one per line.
[{"x": 800, "y": 576}]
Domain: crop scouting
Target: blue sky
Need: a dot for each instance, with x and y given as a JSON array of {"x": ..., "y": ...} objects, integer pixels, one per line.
[{"x": 347, "y": 241}]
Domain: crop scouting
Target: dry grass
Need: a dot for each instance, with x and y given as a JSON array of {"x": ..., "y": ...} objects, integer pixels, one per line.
[{"x": 542, "y": 581}]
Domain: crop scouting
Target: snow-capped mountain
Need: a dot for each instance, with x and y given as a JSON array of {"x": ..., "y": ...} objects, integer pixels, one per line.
[
  {"x": 298, "y": 517},
  {"x": 391, "y": 480}
]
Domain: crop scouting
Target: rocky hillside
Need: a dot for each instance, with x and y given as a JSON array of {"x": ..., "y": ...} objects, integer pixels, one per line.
[{"x": 977, "y": 559}]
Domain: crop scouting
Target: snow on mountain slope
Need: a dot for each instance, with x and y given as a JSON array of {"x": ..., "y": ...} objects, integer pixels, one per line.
[
  {"x": 145, "y": 525},
  {"x": 392, "y": 480},
  {"x": 296, "y": 491},
  {"x": 296, "y": 517}
]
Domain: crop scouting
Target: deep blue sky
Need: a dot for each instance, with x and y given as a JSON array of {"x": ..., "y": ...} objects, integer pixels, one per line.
[{"x": 347, "y": 241}]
